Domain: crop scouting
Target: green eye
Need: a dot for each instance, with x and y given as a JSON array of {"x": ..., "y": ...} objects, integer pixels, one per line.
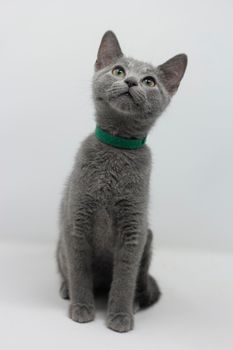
[
  {"x": 149, "y": 81},
  {"x": 118, "y": 72}
]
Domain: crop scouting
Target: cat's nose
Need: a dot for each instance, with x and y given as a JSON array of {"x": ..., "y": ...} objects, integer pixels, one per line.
[{"x": 131, "y": 81}]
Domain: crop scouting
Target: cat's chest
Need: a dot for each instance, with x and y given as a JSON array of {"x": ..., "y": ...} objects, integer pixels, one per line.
[{"x": 114, "y": 172}]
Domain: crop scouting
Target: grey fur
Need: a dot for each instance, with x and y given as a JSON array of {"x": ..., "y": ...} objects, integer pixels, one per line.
[{"x": 104, "y": 238}]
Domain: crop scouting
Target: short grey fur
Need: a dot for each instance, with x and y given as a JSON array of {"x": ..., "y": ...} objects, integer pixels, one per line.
[{"x": 104, "y": 240}]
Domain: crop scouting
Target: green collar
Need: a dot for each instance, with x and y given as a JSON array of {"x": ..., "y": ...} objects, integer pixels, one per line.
[{"x": 118, "y": 141}]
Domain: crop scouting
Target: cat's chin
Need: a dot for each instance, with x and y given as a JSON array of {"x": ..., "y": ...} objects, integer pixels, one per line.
[{"x": 123, "y": 106}]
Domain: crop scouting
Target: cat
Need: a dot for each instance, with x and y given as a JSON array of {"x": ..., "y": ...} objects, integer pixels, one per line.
[{"x": 105, "y": 241}]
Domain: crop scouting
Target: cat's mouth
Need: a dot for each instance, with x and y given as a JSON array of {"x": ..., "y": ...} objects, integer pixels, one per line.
[
  {"x": 124, "y": 100},
  {"x": 128, "y": 95}
]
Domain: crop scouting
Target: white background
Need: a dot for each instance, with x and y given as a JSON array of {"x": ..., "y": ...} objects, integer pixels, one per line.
[
  {"x": 48, "y": 49},
  {"x": 47, "y": 53}
]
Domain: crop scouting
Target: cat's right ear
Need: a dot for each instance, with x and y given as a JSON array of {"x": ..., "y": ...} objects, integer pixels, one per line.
[
  {"x": 172, "y": 71},
  {"x": 109, "y": 51}
]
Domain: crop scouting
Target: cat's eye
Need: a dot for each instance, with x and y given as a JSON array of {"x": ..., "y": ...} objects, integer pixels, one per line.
[
  {"x": 149, "y": 81},
  {"x": 118, "y": 72}
]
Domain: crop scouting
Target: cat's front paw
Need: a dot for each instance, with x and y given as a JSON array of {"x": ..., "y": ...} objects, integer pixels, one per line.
[
  {"x": 120, "y": 322},
  {"x": 82, "y": 312}
]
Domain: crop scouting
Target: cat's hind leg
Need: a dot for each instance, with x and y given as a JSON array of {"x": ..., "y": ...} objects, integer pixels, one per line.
[
  {"x": 64, "y": 290},
  {"x": 147, "y": 291}
]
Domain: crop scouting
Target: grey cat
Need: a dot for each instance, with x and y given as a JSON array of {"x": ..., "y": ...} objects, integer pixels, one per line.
[{"x": 105, "y": 242}]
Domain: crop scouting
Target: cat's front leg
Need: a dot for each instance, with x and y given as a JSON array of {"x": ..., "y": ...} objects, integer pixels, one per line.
[
  {"x": 131, "y": 241},
  {"x": 80, "y": 278}
]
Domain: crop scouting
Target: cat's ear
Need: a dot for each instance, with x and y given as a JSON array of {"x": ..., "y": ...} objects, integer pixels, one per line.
[
  {"x": 109, "y": 51},
  {"x": 172, "y": 71}
]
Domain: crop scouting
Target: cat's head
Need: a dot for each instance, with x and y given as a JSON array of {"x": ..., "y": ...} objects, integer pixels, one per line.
[{"x": 129, "y": 95}]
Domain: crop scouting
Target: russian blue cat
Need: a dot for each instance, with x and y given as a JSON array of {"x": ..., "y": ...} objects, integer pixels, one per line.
[{"x": 105, "y": 240}]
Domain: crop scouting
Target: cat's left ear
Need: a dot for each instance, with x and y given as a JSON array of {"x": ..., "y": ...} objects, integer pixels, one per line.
[
  {"x": 172, "y": 71},
  {"x": 109, "y": 51}
]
